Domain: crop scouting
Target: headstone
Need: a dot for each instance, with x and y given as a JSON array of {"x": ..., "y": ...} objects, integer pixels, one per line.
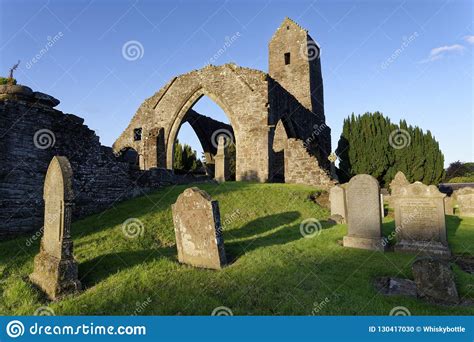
[
  {"x": 465, "y": 199},
  {"x": 332, "y": 159},
  {"x": 221, "y": 161},
  {"x": 198, "y": 230},
  {"x": 398, "y": 182},
  {"x": 448, "y": 206},
  {"x": 337, "y": 197},
  {"x": 435, "y": 280},
  {"x": 55, "y": 269},
  {"x": 420, "y": 220},
  {"x": 363, "y": 214}
]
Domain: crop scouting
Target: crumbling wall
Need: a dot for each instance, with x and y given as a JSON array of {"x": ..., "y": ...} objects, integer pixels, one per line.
[
  {"x": 303, "y": 168},
  {"x": 31, "y": 133}
]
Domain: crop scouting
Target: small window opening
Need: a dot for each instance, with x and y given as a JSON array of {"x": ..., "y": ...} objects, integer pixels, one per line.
[
  {"x": 287, "y": 58},
  {"x": 137, "y": 134},
  {"x": 287, "y": 27}
]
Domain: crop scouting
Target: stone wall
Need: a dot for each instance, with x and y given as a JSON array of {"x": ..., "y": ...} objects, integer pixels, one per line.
[
  {"x": 302, "y": 168},
  {"x": 31, "y": 133}
]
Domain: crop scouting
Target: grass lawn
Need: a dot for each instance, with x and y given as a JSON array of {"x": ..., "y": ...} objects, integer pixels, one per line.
[{"x": 274, "y": 269}]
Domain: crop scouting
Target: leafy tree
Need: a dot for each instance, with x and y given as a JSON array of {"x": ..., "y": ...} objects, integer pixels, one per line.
[
  {"x": 185, "y": 158},
  {"x": 459, "y": 169},
  {"x": 371, "y": 144}
]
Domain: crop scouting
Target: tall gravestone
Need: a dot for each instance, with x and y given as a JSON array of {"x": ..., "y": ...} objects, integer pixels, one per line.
[
  {"x": 337, "y": 197},
  {"x": 420, "y": 220},
  {"x": 465, "y": 200},
  {"x": 399, "y": 181},
  {"x": 363, "y": 214},
  {"x": 198, "y": 230},
  {"x": 221, "y": 161},
  {"x": 55, "y": 269}
]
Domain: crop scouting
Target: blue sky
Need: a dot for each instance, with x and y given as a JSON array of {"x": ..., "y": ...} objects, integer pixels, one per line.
[{"x": 407, "y": 59}]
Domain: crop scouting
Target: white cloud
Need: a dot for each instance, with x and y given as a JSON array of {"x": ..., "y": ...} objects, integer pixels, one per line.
[
  {"x": 469, "y": 39},
  {"x": 441, "y": 51}
]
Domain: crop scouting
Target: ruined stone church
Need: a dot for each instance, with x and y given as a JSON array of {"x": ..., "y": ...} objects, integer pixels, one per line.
[
  {"x": 277, "y": 118},
  {"x": 277, "y": 123}
]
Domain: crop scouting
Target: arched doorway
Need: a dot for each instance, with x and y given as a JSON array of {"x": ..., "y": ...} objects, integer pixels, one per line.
[{"x": 199, "y": 131}]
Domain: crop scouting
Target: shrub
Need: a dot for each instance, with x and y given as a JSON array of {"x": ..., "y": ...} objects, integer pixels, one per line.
[{"x": 5, "y": 80}]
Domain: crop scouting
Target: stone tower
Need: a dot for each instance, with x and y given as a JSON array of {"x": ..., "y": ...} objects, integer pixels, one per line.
[{"x": 294, "y": 62}]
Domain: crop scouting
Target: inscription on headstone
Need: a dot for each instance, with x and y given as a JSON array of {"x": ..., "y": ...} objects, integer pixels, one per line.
[
  {"x": 420, "y": 220},
  {"x": 198, "y": 230}
]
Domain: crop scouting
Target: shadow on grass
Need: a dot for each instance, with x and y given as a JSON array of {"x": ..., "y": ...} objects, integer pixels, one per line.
[
  {"x": 93, "y": 271},
  {"x": 278, "y": 229},
  {"x": 156, "y": 201}
]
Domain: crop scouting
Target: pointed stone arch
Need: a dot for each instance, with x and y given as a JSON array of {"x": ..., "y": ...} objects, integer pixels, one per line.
[{"x": 242, "y": 93}]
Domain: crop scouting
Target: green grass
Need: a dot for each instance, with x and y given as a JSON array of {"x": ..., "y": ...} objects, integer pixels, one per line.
[{"x": 274, "y": 269}]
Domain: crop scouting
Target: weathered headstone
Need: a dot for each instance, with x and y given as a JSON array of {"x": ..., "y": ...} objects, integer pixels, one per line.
[
  {"x": 55, "y": 269},
  {"x": 221, "y": 161},
  {"x": 465, "y": 200},
  {"x": 448, "y": 205},
  {"x": 398, "y": 182},
  {"x": 420, "y": 220},
  {"x": 435, "y": 280},
  {"x": 198, "y": 230},
  {"x": 337, "y": 197},
  {"x": 363, "y": 214}
]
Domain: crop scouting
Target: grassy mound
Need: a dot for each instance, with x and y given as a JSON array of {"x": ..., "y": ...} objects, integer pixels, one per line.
[{"x": 275, "y": 270}]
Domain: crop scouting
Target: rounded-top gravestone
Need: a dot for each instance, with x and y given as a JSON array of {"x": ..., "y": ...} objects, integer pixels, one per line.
[{"x": 363, "y": 213}]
